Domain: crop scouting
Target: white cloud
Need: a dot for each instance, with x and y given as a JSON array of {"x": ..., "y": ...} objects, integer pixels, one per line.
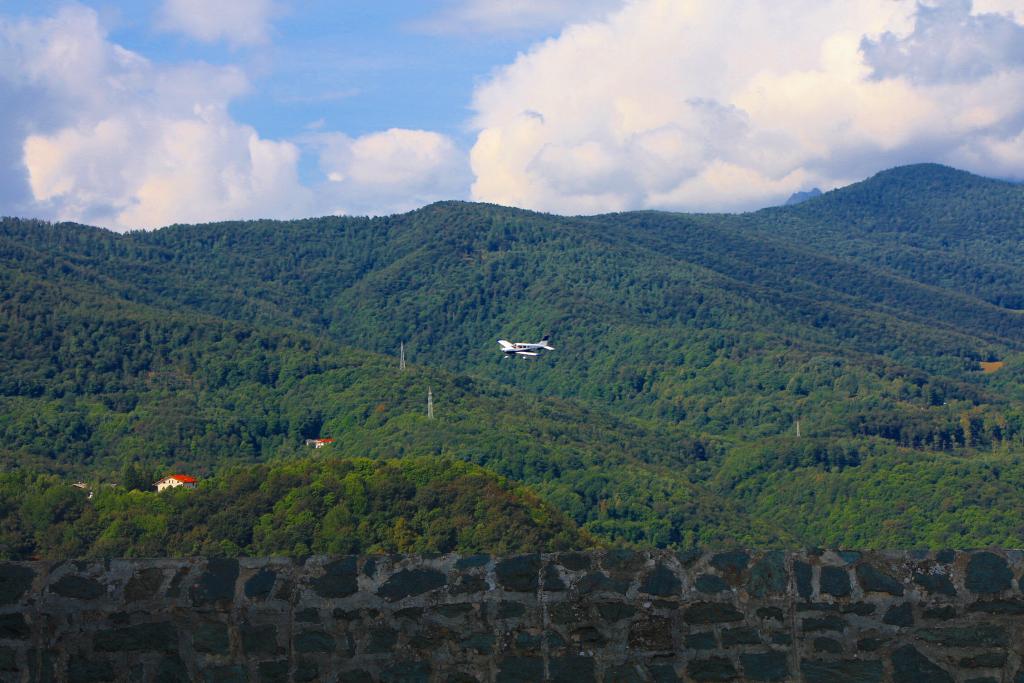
[
  {"x": 733, "y": 104},
  {"x": 239, "y": 22},
  {"x": 107, "y": 137},
  {"x": 95, "y": 133},
  {"x": 390, "y": 171},
  {"x": 508, "y": 16}
]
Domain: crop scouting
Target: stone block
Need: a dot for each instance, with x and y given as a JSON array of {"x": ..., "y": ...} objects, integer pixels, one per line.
[
  {"x": 571, "y": 669},
  {"x": 261, "y": 639},
  {"x": 943, "y": 613},
  {"x": 8, "y": 659},
  {"x": 260, "y": 585},
  {"x": 307, "y": 615},
  {"x": 984, "y": 660},
  {"x": 974, "y": 635},
  {"x": 874, "y": 580},
  {"x": 410, "y": 582},
  {"x": 653, "y": 633},
  {"x": 156, "y": 637},
  {"x": 574, "y": 562},
  {"x": 599, "y": 582},
  {"x": 144, "y": 584},
  {"x": 340, "y": 579},
  {"x": 552, "y": 580},
  {"x": 711, "y": 669},
  {"x": 519, "y": 574},
  {"x": 700, "y": 641},
  {"x": 232, "y": 673},
  {"x": 829, "y": 645},
  {"x": 1011, "y": 607},
  {"x": 835, "y": 581},
  {"x": 612, "y": 612},
  {"x": 274, "y": 672},
  {"x": 845, "y": 670},
  {"x": 217, "y": 583},
  {"x": 520, "y": 670},
  {"x": 211, "y": 637},
  {"x": 938, "y": 584},
  {"x": 314, "y": 641},
  {"x": 802, "y": 574},
  {"x": 15, "y": 580},
  {"x": 472, "y": 561},
  {"x": 910, "y": 666},
  {"x": 765, "y": 666},
  {"x": 406, "y": 672},
  {"x": 826, "y": 623},
  {"x": 661, "y": 581},
  {"x": 307, "y": 671},
  {"x": 732, "y": 562},
  {"x": 712, "y": 613},
  {"x": 740, "y": 636},
  {"x": 768, "y": 576},
  {"x": 663, "y": 673},
  {"x": 481, "y": 643},
  {"x": 78, "y": 587},
  {"x": 381, "y": 640},
  {"x": 625, "y": 673},
  {"x": 870, "y": 644},
  {"x": 988, "y": 573},
  {"x": 170, "y": 669},
  {"x": 709, "y": 583},
  {"x": 510, "y": 610},
  {"x": 899, "y": 615},
  {"x": 14, "y": 627},
  {"x": 89, "y": 670}
]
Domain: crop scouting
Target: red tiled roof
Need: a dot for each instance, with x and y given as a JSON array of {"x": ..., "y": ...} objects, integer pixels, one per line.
[
  {"x": 183, "y": 478},
  {"x": 326, "y": 440}
]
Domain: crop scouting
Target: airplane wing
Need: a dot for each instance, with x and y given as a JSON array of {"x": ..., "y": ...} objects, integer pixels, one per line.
[{"x": 527, "y": 353}]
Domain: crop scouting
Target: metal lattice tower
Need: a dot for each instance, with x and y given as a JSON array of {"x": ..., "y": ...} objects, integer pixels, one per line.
[
  {"x": 401, "y": 356},
  {"x": 430, "y": 404}
]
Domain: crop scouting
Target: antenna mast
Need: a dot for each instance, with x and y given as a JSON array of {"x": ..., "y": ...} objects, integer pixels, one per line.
[
  {"x": 798, "y": 428},
  {"x": 430, "y": 404},
  {"x": 401, "y": 356}
]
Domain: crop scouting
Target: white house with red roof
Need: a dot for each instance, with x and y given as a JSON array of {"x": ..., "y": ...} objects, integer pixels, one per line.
[{"x": 176, "y": 480}]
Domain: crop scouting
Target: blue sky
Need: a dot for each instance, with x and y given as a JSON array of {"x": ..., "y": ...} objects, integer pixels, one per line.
[{"x": 140, "y": 114}]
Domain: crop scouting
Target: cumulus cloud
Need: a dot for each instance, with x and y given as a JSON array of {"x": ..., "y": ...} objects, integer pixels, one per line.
[
  {"x": 95, "y": 133},
  {"x": 735, "y": 104},
  {"x": 239, "y": 22},
  {"x": 108, "y": 137},
  {"x": 504, "y": 16},
  {"x": 948, "y": 44},
  {"x": 390, "y": 171}
]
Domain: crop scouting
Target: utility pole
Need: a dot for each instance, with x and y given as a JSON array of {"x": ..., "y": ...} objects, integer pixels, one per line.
[
  {"x": 401, "y": 356},
  {"x": 430, "y": 404},
  {"x": 798, "y": 428}
]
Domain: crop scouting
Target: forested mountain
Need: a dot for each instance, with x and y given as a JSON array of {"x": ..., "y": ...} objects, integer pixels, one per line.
[{"x": 688, "y": 347}]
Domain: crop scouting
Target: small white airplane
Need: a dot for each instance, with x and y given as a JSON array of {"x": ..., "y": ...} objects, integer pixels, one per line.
[{"x": 525, "y": 348}]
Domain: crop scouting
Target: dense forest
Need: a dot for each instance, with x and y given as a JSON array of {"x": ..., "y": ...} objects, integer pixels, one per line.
[{"x": 688, "y": 349}]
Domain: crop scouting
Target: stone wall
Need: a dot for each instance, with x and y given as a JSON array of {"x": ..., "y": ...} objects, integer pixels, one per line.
[{"x": 602, "y": 616}]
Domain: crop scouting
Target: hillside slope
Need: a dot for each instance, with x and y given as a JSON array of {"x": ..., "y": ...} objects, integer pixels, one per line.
[{"x": 688, "y": 347}]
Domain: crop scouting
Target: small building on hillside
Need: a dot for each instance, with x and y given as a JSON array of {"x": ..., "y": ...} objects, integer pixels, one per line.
[
  {"x": 174, "y": 481},
  {"x": 318, "y": 443}
]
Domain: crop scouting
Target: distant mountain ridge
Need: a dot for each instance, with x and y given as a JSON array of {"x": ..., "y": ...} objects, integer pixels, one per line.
[
  {"x": 801, "y": 197},
  {"x": 688, "y": 347}
]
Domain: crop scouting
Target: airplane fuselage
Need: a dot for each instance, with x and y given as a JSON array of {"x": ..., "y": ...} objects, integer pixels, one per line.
[{"x": 524, "y": 348}]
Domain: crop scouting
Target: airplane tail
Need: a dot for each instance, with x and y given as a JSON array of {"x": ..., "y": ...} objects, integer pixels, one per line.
[{"x": 544, "y": 343}]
